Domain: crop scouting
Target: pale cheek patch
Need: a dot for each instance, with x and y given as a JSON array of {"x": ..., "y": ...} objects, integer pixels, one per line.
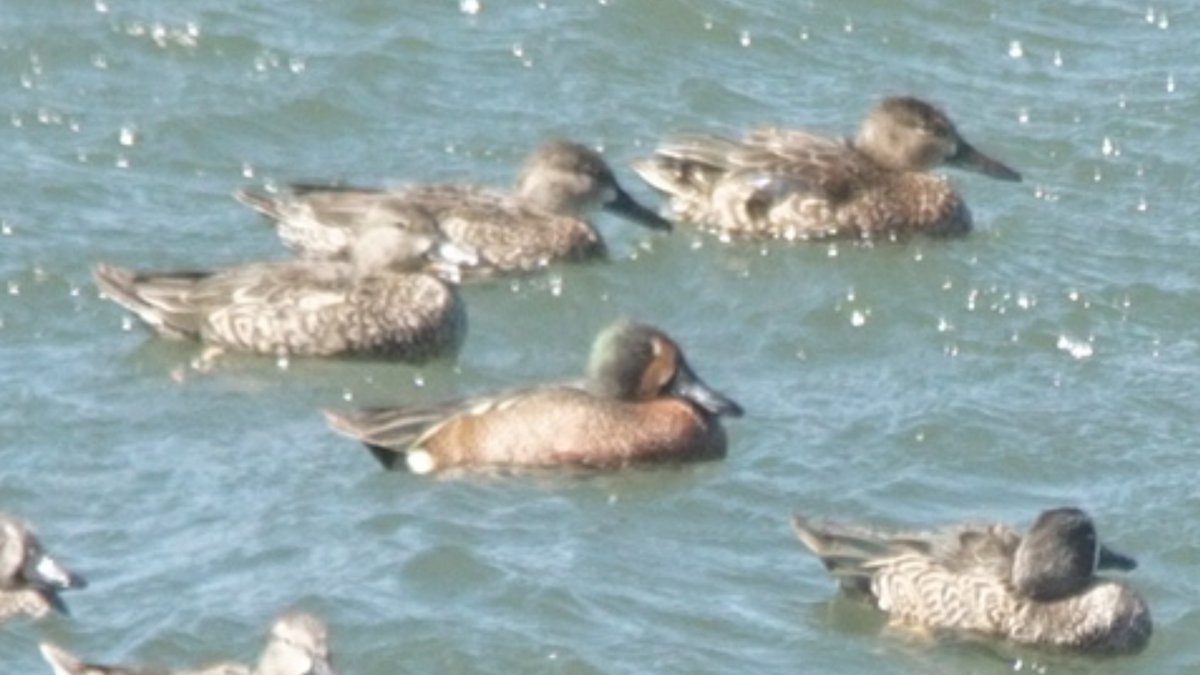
[{"x": 420, "y": 462}]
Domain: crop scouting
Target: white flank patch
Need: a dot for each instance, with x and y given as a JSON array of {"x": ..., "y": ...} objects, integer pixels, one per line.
[{"x": 420, "y": 462}]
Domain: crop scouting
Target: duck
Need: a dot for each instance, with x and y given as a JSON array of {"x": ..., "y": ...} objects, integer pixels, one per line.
[
  {"x": 797, "y": 185},
  {"x": 373, "y": 304},
  {"x": 485, "y": 232},
  {"x": 298, "y": 644},
  {"x": 641, "y": 403},
  {"x": 30, "y": 580},
  {"x": 1037, "y": 589}
]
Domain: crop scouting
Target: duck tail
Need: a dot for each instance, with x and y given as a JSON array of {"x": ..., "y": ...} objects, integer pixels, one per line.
[
  {"x": 847, "y": 553},
  {"x": 121, "y": 286},
  {"x": 389, "y": 433},
  {"x": 678, "y": 177},
  {"x": 266, "y": 204},
  {"x": 688, "y": 167},
  {"x": 162, "y": 301}
]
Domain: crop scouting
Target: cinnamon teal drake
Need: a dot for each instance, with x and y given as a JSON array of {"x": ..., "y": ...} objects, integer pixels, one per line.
[
  {"x": 487, "y": 231},
  {"x": 796, "y": 185},
  {"x": 30, "y": 580},
  {"x": 1039, "y": 589},
  {"x": 368, "y": 305},
  {"x": 640, "y": 403},
  {"x": 298, "y": 645}
]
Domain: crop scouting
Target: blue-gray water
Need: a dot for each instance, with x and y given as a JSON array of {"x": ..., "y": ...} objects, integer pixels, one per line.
[{"x": 1050, "y": 358}]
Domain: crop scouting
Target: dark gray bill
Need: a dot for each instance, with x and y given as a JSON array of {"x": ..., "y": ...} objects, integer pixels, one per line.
[
  {"x": 1109, "y": 559},
  {"x": 688, "y": 385},
  {"x": 971, "y": 159},
  {"x": 626, "y": 206}
]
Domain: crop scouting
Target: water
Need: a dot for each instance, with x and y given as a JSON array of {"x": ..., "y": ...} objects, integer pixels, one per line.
[{"x": 1051, "y": 358}]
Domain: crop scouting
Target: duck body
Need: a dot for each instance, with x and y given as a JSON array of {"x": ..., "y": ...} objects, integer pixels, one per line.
[
  {"x": 1037, "y": 588},
  {"x": 642, "y": 404},
  {"x": 303, "y": 308},
  {"x": 297, "y": 645},
  {"x": 537, "y": 428},
  {"x": 793, "y": 184},
  {"x": 481, "y": 231}
]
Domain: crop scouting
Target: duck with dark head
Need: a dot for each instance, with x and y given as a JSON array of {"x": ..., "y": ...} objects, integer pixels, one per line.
[{"x": 641, "y": 403}]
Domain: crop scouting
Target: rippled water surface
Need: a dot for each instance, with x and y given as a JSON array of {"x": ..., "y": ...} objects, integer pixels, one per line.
[{"x": 1049, "y": 358}]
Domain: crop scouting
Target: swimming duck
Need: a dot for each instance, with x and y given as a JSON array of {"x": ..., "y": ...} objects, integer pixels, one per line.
[
  {"x": 488, "y": 231},
  {"x": 1039, "y": 589},
  {"x": 368, "y": 305},
  {"x": 641, "y": 403},
  {"x": 29, "y": 578},
  {"x": 297, "y": 645},
  {"x": 797, "y": 185}
]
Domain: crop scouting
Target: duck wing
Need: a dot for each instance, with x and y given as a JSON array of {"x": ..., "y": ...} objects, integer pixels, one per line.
[
  {"x": 490, "y": 231},
  {"x": 321, "y": 220},
  {"x": 391, "y": 432}
]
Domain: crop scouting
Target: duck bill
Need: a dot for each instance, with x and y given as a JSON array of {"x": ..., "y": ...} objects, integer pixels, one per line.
[
  {"x": 624, "y": 205},
  {"x": 47, "y": 573},
  {"x": 1108, "y": 559},
  {"x": 971, "y": 159},
  {"x": 689, "y": 386}
]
